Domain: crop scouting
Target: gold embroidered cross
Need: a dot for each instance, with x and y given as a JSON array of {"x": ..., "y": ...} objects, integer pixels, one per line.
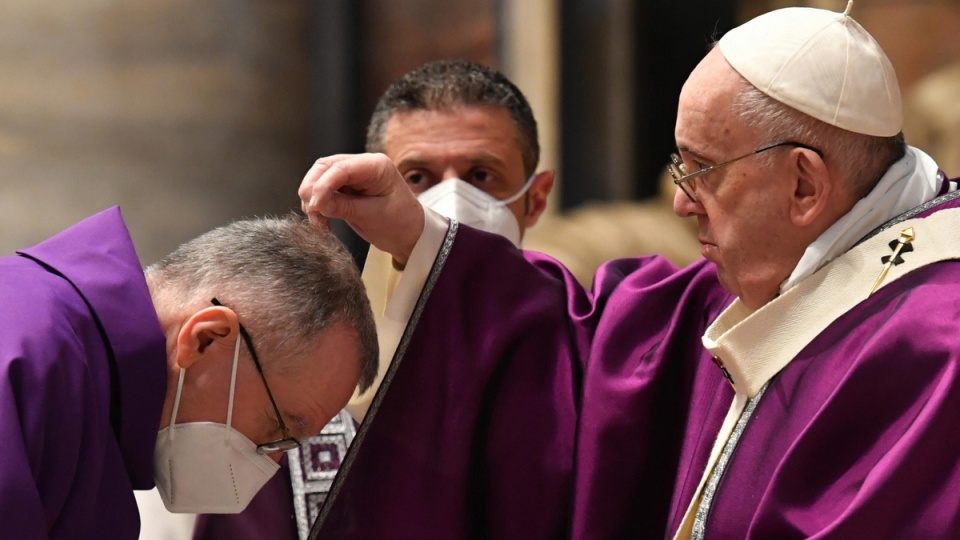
[{"x": 899, "y": 246}]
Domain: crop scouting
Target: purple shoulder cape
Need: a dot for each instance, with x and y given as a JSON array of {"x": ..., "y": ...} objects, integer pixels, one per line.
[{"x": 82, "y": 382}]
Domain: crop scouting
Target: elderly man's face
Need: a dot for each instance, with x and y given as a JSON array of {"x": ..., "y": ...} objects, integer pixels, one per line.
[
  {"x": 742, "y": 208},
  {"x": 308, "y": 394},
  {"x": 477, "y": 144}
]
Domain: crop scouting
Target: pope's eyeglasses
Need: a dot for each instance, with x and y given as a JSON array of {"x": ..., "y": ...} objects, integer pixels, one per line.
[{"x": 678, "y": 169}]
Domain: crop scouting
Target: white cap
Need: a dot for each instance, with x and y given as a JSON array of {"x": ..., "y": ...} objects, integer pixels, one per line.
[{"x": 821, "y": 63}]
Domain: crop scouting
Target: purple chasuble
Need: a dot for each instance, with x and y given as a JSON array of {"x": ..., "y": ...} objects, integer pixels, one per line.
[
  {"x": 520, "y": 406},
  {"x": 82, "y": 382},
  {"x": 474, "y": 432}
]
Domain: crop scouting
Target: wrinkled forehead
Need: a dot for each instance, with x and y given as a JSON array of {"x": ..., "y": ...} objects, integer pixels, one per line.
[{"x": 705, "y": 112}]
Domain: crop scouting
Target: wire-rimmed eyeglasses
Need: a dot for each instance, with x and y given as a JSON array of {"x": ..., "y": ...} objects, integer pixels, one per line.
[
  {"x": 678, "y": 170},
  {"x": 287, "y": 443}
]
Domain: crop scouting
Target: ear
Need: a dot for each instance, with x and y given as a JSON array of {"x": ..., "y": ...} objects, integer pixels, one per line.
[
  {"x": 537, "y": 197},
  {"x": 202, "y": 331},
  {"x": 812, "y": 189}
]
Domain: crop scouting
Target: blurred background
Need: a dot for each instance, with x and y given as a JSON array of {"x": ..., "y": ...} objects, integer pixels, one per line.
[{"x": 189, "y": 114}]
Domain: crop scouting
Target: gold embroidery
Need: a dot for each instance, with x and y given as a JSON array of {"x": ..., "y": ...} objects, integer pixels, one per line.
[{"x": 900, "y": 245}]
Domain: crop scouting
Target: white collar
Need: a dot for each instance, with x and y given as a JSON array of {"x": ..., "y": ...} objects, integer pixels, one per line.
[
  {"x": 753, "y": 346},
  {"x": 908, "y": 183}
]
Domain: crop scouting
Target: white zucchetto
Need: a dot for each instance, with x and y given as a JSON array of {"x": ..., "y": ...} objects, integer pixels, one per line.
[{"x": 821, "y": 63}]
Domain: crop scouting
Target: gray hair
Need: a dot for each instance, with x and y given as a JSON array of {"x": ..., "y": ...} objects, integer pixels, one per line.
[
  {"x": 286, "y": 279},
  {"x": 861, "y": 160},
  {"x": 444, "y": 84}
]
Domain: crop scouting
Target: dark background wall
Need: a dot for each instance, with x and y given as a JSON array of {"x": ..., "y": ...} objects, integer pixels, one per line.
[{"x": 189, "y": 114}]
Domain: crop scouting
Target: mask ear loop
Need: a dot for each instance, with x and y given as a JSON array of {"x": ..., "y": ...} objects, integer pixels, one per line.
[
  {"x": 176, "y": 404},
  {"x": 233, "y": 386},
  {"x": 516, "y": 196}
]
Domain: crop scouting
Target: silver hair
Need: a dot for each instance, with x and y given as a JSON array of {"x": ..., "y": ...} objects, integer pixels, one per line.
[
  {"x": 287, "y": 280},
  {"x": 860, "y": 160}
]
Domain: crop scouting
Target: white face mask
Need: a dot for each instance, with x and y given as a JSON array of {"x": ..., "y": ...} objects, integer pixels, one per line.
[
  {"x": 459, "y": 200},
  {"x": 206, "y": 467}
]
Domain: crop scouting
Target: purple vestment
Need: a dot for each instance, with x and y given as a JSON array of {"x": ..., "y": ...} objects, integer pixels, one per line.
[
  {"x": 524, "y": 407},
  {"x": 477, "y": 435},
  {"x": 82, "y": 382}
]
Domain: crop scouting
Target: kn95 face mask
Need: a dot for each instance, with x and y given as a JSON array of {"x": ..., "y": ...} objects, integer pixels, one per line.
[
  {"x": 460, "y": 200},
  {"x": 208, "y": 467}
]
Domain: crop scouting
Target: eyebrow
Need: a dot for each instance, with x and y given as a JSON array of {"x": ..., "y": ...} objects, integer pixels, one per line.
[
  {"x": 479, "y": 158},
  {"x": 412, "y": 163},
  {"x": 484, "y": 157},
  {"x": 695, "y": 154}
]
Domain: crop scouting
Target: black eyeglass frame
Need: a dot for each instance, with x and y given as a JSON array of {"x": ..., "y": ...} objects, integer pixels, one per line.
[
  {"x": 677, "y": 169},
  {"x": 287, "y": 443}
]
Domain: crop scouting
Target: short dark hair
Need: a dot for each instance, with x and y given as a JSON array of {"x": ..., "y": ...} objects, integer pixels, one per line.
[
  {"x": 444, "y": 84},
  {"x": 287, "y": 279}
]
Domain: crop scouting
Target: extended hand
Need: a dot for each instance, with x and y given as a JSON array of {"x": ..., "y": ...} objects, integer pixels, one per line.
[{"x": 367, "y": 192}]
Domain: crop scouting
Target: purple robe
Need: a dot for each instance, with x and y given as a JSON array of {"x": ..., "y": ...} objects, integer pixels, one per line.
[
  {"x": 477, "y": 434},
  {"x": 82, "y": 382},
  {"x": 523, "y": 407}
]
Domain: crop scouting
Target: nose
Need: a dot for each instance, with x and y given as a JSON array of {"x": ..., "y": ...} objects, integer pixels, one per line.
[
  {"x": 683, "y": 206},
  {"x": 449, "y": 174}
]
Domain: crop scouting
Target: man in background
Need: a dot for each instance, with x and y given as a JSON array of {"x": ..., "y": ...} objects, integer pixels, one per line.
[{"x": 465, "y": 141}]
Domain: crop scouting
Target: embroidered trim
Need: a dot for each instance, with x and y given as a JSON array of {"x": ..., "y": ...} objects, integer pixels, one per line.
[
  {"x": 910, "y": 214},
  {"x": 703, "y": 509},
  {"x": 314, "y": 466}
]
